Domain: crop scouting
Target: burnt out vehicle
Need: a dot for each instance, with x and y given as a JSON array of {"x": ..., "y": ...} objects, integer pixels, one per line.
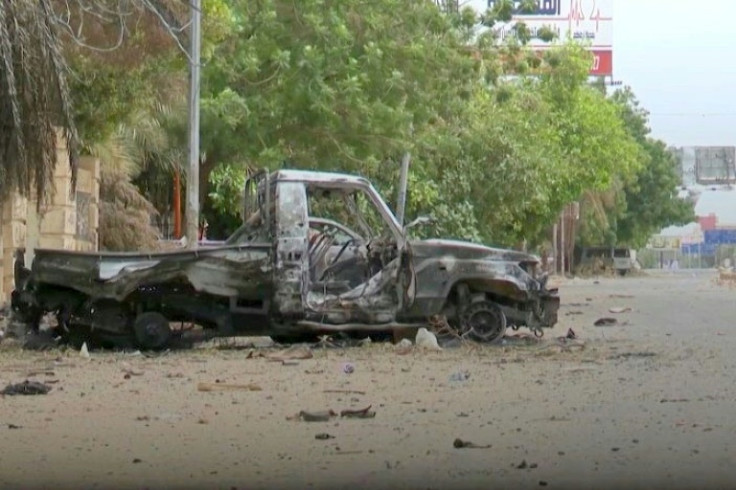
[{"x": 319, "y": 253}]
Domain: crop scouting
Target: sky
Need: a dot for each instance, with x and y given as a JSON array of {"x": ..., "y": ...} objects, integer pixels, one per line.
[{"x": 678, "y": 57}]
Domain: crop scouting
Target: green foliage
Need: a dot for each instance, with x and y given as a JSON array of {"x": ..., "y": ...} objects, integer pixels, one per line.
[
  {"x": 651, "y": 196},
  {"x": 351, "y": 86},
  {"x": 226, "y": 190}
]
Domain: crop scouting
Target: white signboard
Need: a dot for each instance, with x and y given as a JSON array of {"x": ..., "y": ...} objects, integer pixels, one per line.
[{"x": 590, "y": 21}]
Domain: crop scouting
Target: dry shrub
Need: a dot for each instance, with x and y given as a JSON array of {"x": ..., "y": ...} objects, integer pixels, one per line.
[{"x": 125, "y": 215}]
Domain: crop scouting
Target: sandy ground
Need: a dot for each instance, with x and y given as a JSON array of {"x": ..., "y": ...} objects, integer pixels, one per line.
[{"x": 648, "y": 403}]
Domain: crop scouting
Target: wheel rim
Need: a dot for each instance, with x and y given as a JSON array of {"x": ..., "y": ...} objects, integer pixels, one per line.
[
  {"x": 152, "y": 332},
  {"x": 485, "y": 322}
]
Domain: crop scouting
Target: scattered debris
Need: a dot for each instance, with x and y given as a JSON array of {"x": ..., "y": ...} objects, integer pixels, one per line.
[
  {"x": 460, "y": 376},
  {"x": 237, "y": 343},
  {"x": 619, "y": 309},
  {"x": 137, "y": 460},
  {"x": 620, "y": 295},
  {"x": 129, "y": 373},
  {"x": 365, "y": 342},
  {"x": 289, "y": 363},
  {"x": 574, "y": 312},
  {"x": 571, "y": 334},
  {"x": 404, "y": 347},
  {"x": 84, "y": 352},
  {"x": 605, "y": 322},
  {"x": 40, "y": 373},
  {"x": 522, "y": 465},
  {"x": 318, "y": 416},
  {"x": 348, "y": 368},
  {"x": 459, "y": 444},
  {"x": 674, "y": 400},
  {"x": 521, "y": 338},
  {"x": 628, "y": 355},
  {"x": 13, "y": 426},
  {"x": 427, "y": 340},
  {"x": 227, "y": 387},
  {"x": 345, "y": 392},
  {"x": 363, "y": 413},
  {"x": 292, "y": 353},
  {"x": 41, "y": 341},
  {"x": 323, "y": 436},
  {"x": 26, "y": 388}
]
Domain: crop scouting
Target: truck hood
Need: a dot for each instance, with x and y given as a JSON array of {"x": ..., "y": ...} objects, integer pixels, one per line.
[{"x": 468, "y": 250}]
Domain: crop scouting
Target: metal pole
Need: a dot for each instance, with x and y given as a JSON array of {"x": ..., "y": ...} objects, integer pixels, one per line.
[
  {"x": 554, "y": 246},
  {"x": 177, "y": 204},
  {"x": 192, "y": 210},
  {"x": 403, "y": 182},
  {"x": 562, "y": 242}
]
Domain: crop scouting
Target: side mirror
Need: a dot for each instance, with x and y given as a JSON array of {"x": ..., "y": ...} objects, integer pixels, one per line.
[{"x": 420, "y": 221}]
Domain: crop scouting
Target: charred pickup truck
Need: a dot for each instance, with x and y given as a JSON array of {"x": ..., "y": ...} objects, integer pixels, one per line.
[{"x": 319, "y": 253}]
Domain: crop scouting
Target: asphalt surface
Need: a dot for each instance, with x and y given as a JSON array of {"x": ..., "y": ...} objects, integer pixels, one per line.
[{"x": 645, "y": 403}]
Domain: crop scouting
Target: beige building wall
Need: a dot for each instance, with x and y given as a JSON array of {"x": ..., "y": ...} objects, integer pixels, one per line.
[{"x": 69, "y": 221}]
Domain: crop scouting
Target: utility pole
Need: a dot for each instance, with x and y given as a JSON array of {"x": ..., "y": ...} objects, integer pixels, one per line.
[
  {"x": 562, "y": 242},
  {"x": 192, "y": 210},
  {"x": 403, "y": 182}
]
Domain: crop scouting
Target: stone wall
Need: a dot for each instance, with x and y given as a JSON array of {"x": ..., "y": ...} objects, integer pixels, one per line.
[{"x": 70, "y": 220}]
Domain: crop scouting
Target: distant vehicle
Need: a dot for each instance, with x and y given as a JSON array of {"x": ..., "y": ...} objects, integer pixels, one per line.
[{"x": 601, "y": 259}]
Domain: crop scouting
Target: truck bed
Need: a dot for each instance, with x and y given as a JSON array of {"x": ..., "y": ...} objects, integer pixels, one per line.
[{"x": 236, "y": 270}]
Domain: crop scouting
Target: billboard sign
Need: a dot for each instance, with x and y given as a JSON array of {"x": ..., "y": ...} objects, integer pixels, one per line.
[
  {"x": 715, "y": 165},
  {"x": 590, "y": 21}
]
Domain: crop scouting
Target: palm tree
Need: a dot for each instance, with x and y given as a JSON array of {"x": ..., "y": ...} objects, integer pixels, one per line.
[{"x": 34, "y": 99}]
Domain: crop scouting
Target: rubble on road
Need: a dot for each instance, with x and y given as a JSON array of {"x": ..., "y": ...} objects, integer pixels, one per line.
[
  {"x": 404, "y": 347},
  {"x": 228, "y": 387},
  {"x": 605, "y": 322},
  {"x": 362, "y": 413},
  {"x": 26, "y": 388},
  {"x": 427, "y": 340},
  {"x": 295, "y": 352}
]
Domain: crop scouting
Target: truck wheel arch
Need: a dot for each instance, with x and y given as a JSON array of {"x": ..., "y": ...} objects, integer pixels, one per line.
[{"x": 475, "y": 285}]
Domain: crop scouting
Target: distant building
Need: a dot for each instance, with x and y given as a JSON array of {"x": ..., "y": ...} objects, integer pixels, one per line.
[{"x": 706, "y": 165}]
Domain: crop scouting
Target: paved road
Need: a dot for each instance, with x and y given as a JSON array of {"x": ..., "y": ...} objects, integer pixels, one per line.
[{"x": 648, "y": 403}]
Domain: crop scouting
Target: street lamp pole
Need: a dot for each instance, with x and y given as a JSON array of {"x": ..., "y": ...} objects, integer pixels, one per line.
[{"x": 192, "y": 209}]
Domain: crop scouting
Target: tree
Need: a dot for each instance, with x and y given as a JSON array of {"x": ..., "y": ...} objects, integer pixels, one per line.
[
  {"x": 34, "y": 99},
  {"x": 129, "y": 89},
  {"x": 342, "y": 86},
  {"x": 651, "y": 196}
]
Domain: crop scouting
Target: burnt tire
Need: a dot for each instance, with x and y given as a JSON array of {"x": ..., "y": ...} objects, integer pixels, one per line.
[
  {"x": 152, "y": 330},
  {"x": 484, "y": 321}
]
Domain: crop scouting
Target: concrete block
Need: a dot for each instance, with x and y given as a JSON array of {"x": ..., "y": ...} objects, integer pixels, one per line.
[
  {"x": 58, "y": 242},
  {"x": 85, "y": 181},
  {"x": 63, "y": 194},
  {"x": 60, "y": 220},
  {"x": 14, "y": 234}
]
